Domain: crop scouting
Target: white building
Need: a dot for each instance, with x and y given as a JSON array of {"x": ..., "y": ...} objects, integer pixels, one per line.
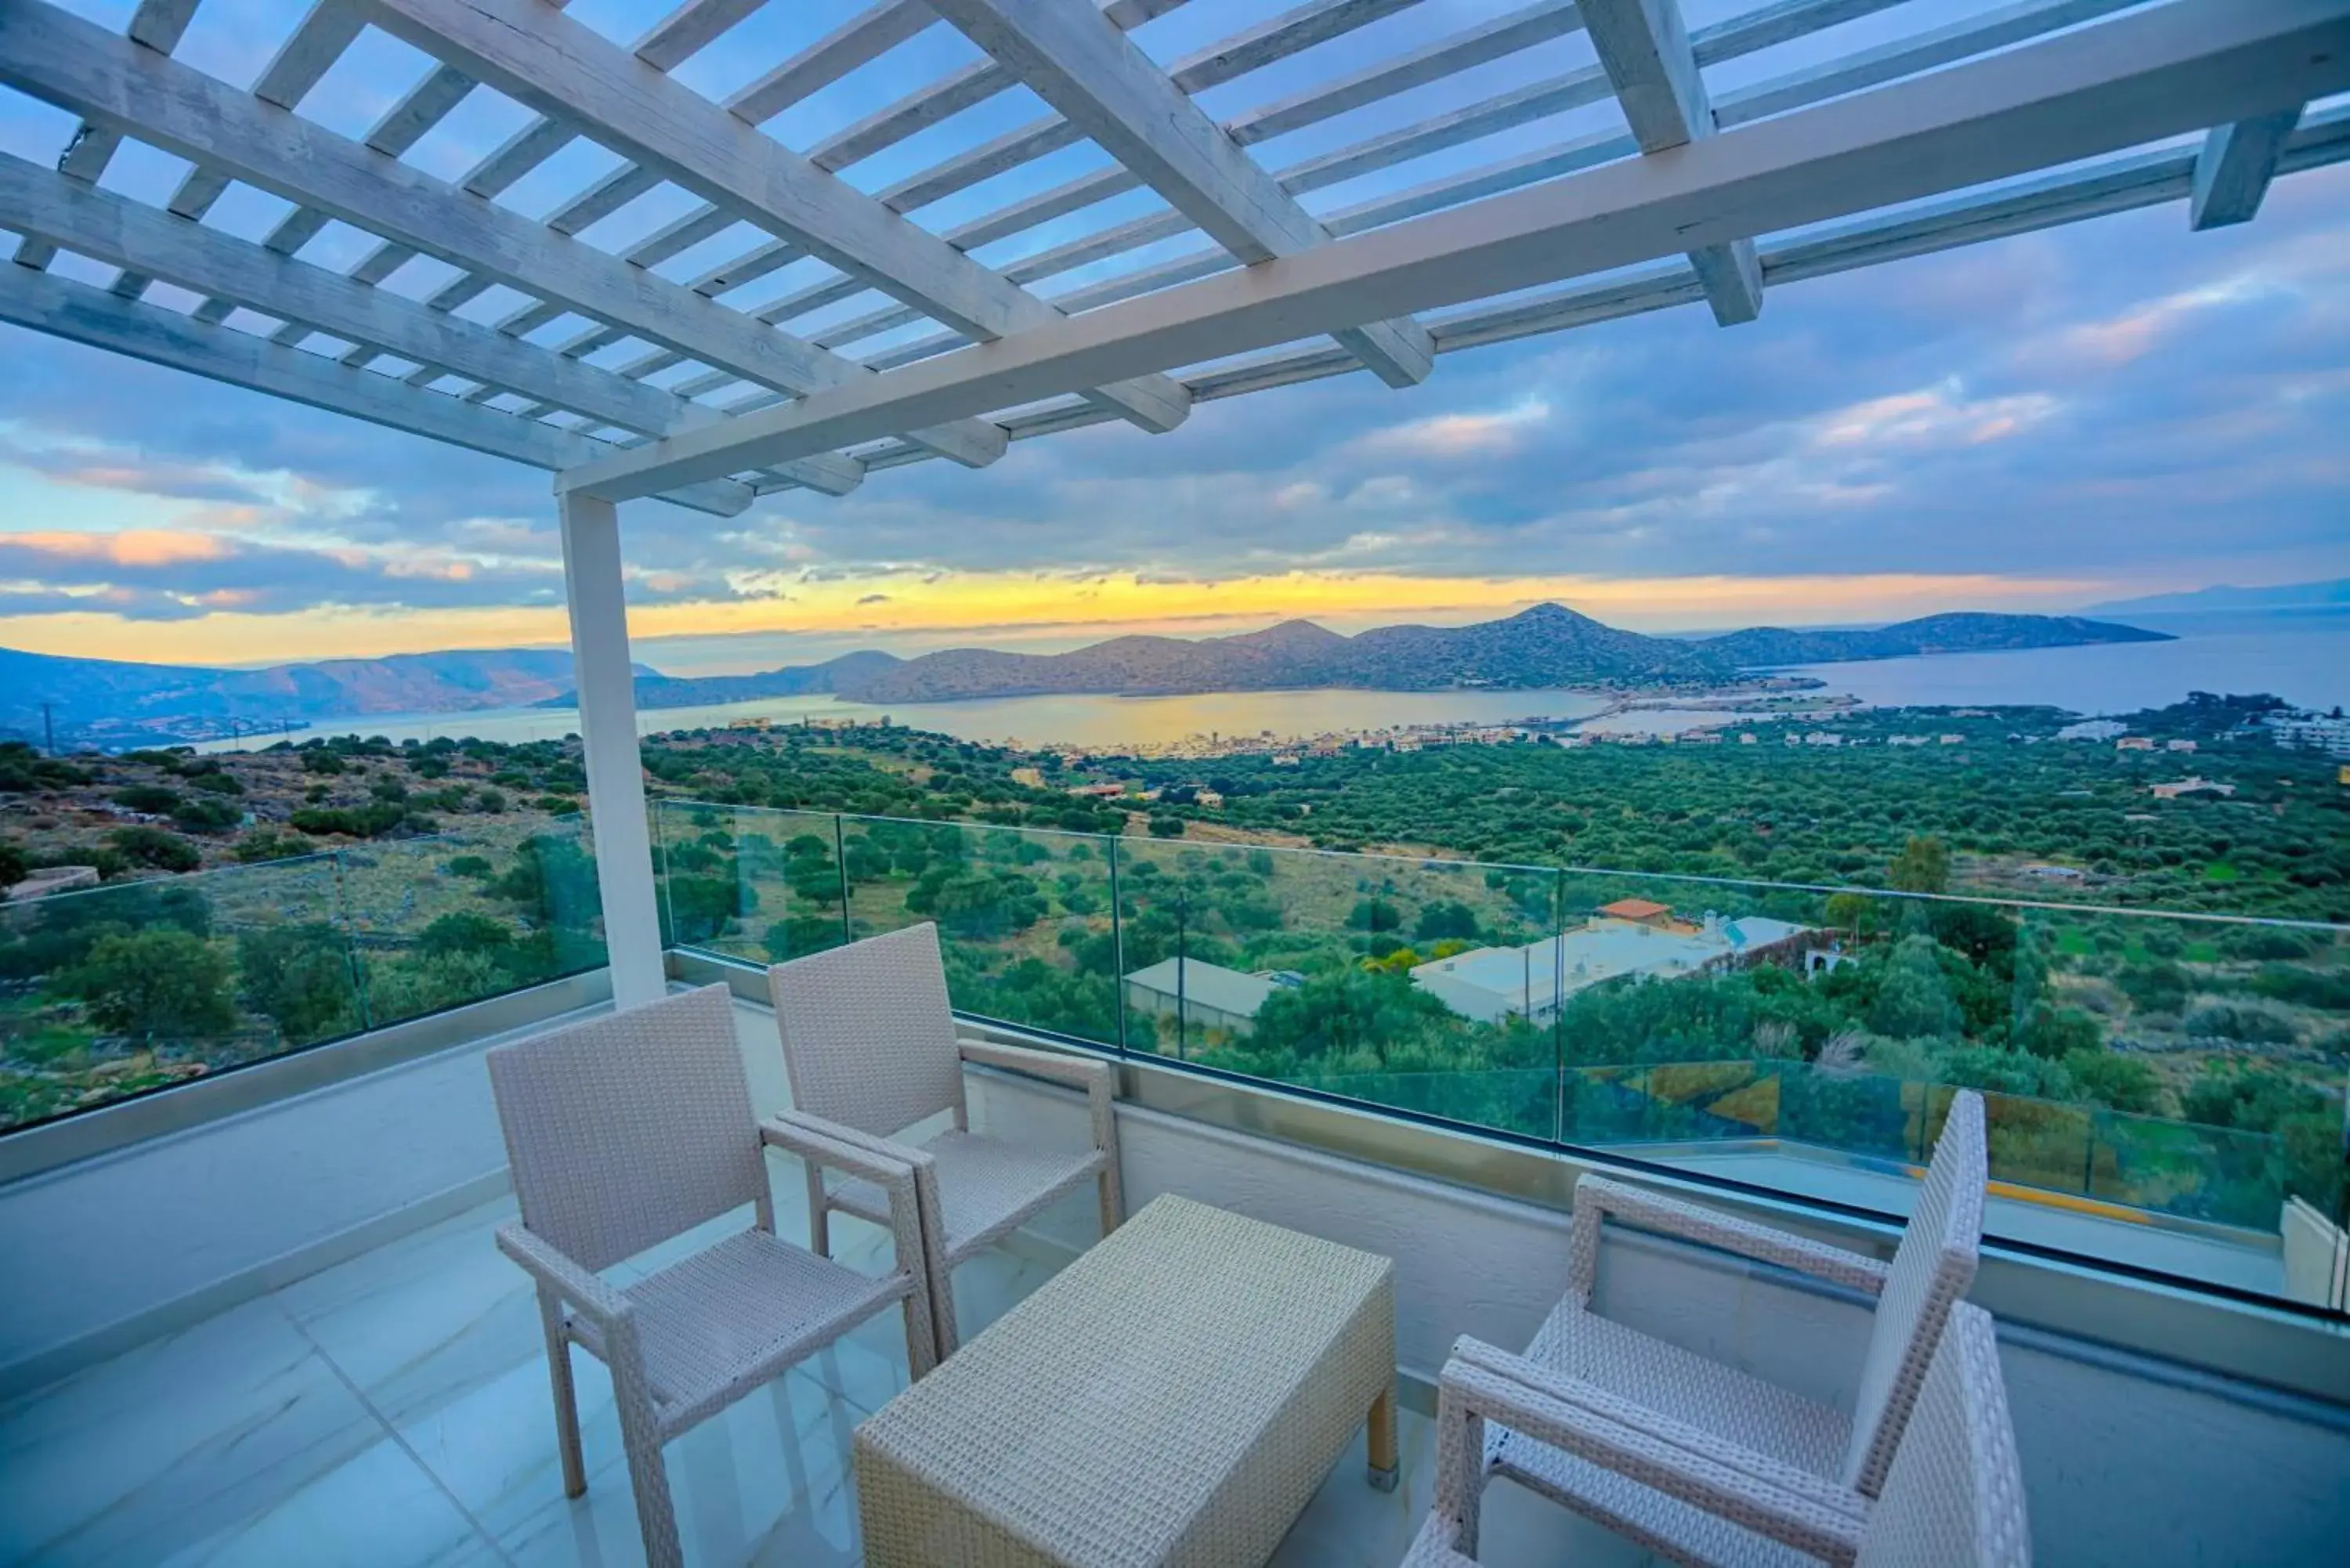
[
  {"x": 1206, "y": 995},
  {"x": 1490, "y": 984}
]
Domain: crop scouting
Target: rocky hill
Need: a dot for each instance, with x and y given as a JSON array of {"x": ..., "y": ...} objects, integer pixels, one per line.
[
  {"x": 1765, "y": 646},
  {"x": 1547, "y": 645},
  {"x": 110, "y": 702}
]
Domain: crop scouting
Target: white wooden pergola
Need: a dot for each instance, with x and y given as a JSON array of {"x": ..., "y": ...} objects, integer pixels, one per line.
[{"x": 796, "y": 329}]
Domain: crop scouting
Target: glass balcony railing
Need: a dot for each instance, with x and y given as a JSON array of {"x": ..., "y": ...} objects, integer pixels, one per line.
[
  {"x": 111, "y": 991},
  {"x": 2142, "y": 1071}
]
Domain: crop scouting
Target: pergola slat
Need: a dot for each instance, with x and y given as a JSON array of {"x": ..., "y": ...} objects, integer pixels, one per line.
[
  {"x": 547, "y": 62},
  {"x": 2145, "y": 75},
  {"x": 53, "y": 55},
  {"x": 2234, "y": 170},
  {"x": 1100, "y": 83},
  {"x": 109, "y": 228},
  {"x": 1649, "y": 56},
  {"x": 104, "y": 319}
]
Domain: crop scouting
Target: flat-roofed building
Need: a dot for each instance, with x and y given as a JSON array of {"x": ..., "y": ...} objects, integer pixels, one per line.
[
  {"x": 1490, "y": 984},
  {"x": 1205, "y": 995}
]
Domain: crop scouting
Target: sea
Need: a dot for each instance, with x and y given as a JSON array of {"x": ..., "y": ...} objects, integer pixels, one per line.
[{"x": 2303, "y": 659}]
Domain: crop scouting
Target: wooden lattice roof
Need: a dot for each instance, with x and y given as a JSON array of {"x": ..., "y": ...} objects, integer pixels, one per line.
[{"x": 712, "y": 254}]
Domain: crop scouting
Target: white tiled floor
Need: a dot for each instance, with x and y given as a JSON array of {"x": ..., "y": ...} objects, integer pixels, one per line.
[{"x": 394, "y": 1410}]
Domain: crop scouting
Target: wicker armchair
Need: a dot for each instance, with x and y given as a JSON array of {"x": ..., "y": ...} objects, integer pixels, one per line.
[
  {"x": 626, "y": 1131},
  {"x": 1953, "y": 1492},
  {"x": 870, "y": 1047},
  {"x": 1765, "y": 1428}
]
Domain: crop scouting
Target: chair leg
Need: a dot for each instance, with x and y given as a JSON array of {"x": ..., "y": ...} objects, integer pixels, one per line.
[
  {"x": 942, "y": 1308},
  {"x": 648, "y": 1476},
  {"x": 566, "y": 1399},
  {"x": 819, "y": 1213},
  {"x": 1379, "y": 1439},
  {"x": 1113, "y": 1197},
  {"x": 922, "y": 1336}
]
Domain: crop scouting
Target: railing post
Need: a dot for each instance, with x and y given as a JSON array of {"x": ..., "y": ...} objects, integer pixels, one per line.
[
  {"x": 1117, "y": 946},
  {"x": 607, "y": 733},
  {"x": 351, "y": 964},
  {"x": 1182, "y": 968},
  {"x": 840, "y": 861},
  {"x": 1558, "y": 1006}
]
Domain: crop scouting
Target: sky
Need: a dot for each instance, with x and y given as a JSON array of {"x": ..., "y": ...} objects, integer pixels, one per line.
[{"x": 2036, "y": 423}]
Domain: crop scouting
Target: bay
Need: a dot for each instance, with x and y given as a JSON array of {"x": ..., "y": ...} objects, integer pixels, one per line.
[{"x": 2305, "y": 659}]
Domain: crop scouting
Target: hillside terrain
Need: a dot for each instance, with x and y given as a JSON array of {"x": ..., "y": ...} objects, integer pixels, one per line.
[
  {"x": 110, "y": 702},
  {"x": 1548, "y": 645},
  {"x": 1764, "y": 646}
]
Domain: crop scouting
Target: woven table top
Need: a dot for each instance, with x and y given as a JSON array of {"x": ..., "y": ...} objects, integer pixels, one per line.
[{"x": 1110, "y": 1401}]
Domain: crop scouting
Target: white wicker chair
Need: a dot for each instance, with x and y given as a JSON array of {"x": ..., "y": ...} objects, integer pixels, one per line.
[
  {"x": 1759, "y": 1422},
  {"x": 870, "y": 1046},
  {"x": 1954, "y": 1493},
  {"x": 626, "y": 1131}
]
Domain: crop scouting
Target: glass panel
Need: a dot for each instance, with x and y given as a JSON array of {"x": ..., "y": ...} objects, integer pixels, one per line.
[
  {"x": 460, "y": 916},
  {"x": 112, "y": 992},
  {"x": 749, "y": 882},
  {"x": 1023, "y": 915},
  {"x": 1425, "y": 985}
]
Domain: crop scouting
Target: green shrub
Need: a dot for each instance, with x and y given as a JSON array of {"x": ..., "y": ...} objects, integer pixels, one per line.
[
  {"x": 158, "y": 984},
  {"x": 205, "y": 816},
  {"x": 156, "y": 800},
  {"x": 320, "y": 760},
  {"x": 153, "y": 847}
]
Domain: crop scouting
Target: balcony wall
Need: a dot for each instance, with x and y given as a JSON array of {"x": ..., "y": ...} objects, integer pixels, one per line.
[{"x": 2129, "y": 1458}]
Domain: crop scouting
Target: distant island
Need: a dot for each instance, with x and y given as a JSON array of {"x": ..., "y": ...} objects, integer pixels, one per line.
[
  {"x": 113, "y": 703},
  {"x": 1546, "y": 647}
]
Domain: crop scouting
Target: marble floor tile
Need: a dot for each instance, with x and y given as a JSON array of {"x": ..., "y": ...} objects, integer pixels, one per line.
[
  {"x": 395, "y": 1409},
  {"x": 193, "y": 1439}
]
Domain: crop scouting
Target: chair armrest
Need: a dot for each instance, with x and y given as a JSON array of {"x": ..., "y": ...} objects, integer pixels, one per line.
[
  {"x": 820, "y": 1142},
  {"x": 1082, "y": 1072},
  {"x": 841, "y": 1136},
  {"x": 1808, "y": 1512},
  {"x": 1596, "y": 1197},
  {"x": 597, "y": 1301},
  {"x": 908, "y": 1175},
  {"x": 1099, "y": 1083}
]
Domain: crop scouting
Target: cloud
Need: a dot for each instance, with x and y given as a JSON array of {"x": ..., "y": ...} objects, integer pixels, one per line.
[
  {"x": 2116, "y": 401},
  {"x": 131, "y": 547},
  {"x": 1445, "y": 436}
]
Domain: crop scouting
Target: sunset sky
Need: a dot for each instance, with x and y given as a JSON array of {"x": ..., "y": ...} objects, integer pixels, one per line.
[{"x": 2036, "y": 423}]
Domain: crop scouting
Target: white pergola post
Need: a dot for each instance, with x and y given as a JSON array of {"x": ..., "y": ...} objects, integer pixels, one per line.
[{"x": 607, "y": 730}]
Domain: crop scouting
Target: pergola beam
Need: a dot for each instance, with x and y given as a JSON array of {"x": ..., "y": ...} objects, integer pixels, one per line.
[
  {"x": 56, "y": 56},
  {"x": 2146, "y": 74},
  {"x": 2234, "y": 170},
  {"x": 157, "y": 24},
  {"x": 550, "y": 63},
  {"x": 1646, "y": 51},
  {"x": 101, "y": 319},
  {"x": 128, "y": 234},
  {"x": 1076, "y": 61}
]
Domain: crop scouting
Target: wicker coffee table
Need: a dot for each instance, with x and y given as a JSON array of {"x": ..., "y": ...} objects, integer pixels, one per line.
[{"x": 1173, "y": 1396}]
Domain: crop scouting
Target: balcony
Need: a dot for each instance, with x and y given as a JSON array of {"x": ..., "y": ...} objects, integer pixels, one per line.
[{"x": 254, "y": 1311}]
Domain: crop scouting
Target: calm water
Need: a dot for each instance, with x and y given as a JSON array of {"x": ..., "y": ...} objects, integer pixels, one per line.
[{"x": 2304, "y": 661}]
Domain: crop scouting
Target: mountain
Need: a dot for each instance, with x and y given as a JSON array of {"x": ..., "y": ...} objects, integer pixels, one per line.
[
  {"x": 108, "y": 701},
  {"x": 1547, "y": 645},
  {"x": 1765, "y": 646},
  {"x": 839, "y": 675},
  {"x": 2334, "y": 595}
]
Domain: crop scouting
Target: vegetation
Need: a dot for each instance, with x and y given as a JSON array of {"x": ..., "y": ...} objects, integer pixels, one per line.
[{"x": 2190, "y": 1065}]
